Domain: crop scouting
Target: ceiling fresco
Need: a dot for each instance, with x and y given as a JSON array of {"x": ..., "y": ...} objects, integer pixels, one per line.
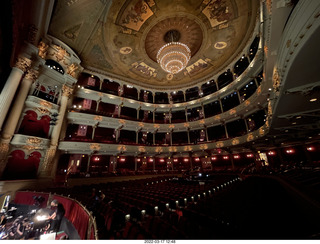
[{"x": 121, "y": 38}]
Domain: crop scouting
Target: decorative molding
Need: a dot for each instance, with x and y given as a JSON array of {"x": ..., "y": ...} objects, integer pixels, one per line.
[
  {"x": 43, "y": 49},
  {"x": 34, "y": 141},
  {"x": 43, "y": 110},
  {"x": 45, "y": 104},
  {"x": 66, "y": 91},
  {"x": 114, "y": 149},
  {"x": 32, "y": 75},
  {"x": 73, "y": 70},
  {"x": 23, "y": 63},
  {"x": 95, "y": 146}
]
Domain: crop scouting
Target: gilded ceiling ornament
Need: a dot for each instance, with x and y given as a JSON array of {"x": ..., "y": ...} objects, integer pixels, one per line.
[
  {"x": 220, "y": 45},
  {"x": 125, "y": 50},
  {"x": 171, "y": 126},
  {"x": 32, "y": 75},
  {"x": 43, "y": 49},
  {"x": 247, "y": 103},
  {"x": 169, "y": 76},
  {"x": 158, "y": 149},
  {"x": 186, "y": 125},
  {"x": 172, "y": 149},
  {"x": 156, "y": 126},
  {"x": 141, "y": 149},
  {"x": 23, "y": 63}
]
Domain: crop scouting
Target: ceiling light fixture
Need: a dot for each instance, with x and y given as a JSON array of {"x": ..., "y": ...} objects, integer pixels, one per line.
[
  {"x": 313, "y": 99},
  {"x": 174, "y": 55}
]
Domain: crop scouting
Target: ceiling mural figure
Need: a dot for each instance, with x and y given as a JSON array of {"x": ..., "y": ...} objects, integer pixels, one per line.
[
  {"x": 135, "y": 14},
  {"x": 218, "y": 12}
]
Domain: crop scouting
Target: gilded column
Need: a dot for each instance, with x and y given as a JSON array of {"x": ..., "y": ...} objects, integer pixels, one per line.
[
  {"x": 49, "y": 165},
  {"x": 11, "y": 86}
]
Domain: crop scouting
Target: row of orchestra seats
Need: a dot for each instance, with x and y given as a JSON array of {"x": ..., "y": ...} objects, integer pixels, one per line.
[{"x": 160, "y": 207}]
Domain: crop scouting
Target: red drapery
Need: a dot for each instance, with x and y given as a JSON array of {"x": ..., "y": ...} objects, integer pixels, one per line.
[{"x": 27, "y": 198}]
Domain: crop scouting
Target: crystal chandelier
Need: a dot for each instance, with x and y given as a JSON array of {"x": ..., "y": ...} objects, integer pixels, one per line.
[{"x": 173, "y": 57}]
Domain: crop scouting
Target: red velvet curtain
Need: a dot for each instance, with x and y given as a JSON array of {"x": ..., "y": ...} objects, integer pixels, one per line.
[
  {"x": 80, "y": 219},
  {"x": 26, "y": 198},
  {"x": 21, "y": 166}
]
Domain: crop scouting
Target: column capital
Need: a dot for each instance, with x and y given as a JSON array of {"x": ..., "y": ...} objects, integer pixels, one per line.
[
  {"x": 23, "y": 63},
  {"x": 66, "y": 91},
  {"x": 32, "y": 75}
]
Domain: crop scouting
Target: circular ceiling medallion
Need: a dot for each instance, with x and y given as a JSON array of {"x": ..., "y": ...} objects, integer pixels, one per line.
[
  {"x": 169, "y": 76},
  {"x": 181, "y": 29},
  {"x": 220, "y": 45},
  {"x": 125, "y": 50}
]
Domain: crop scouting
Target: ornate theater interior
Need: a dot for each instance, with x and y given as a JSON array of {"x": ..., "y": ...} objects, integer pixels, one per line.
[{"x": 160, "y": 119}]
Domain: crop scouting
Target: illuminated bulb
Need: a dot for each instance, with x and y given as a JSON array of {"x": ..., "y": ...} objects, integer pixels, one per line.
[{"x": 173, "y": 57}]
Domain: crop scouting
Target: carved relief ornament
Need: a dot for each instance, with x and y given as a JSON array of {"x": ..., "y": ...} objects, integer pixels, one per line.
[
  {"x": 43, "y": 49},
  {"x": 66, "y": 91},
  {"x": 72, "y": 70},
  {"x": 23, "y": 63},
  {"x": 32, "y": 75}
]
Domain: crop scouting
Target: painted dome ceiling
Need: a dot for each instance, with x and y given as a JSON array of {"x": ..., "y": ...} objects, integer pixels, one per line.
[{"x": 121, "y": 38}]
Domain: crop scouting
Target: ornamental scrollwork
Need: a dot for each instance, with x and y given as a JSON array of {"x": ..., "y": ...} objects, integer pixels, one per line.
[
  {"x": 95, "y": 146},
  {"x": 34, "y": 141},
  {"x": 43, "y": 49},
  {"x": 32, "y": 75},
  {"x": 72, "y": 70},
  {"x": 23, "y": 63},
  {"x": 66, "y": 91}
]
